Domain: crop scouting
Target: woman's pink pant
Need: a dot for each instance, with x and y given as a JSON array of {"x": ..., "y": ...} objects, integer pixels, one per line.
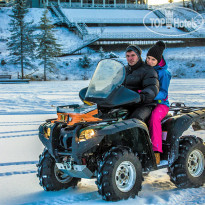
[{"x": 155, "y": 128}]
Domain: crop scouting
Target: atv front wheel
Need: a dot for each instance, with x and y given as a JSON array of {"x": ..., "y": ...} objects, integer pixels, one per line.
[
  {"x": 51, "y": 178},
  {"x": 119, "y": 175},
  {"x": 188, "y": 170}
]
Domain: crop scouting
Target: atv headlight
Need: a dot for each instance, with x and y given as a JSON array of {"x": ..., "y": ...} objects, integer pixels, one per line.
[
  {"x": 86, "y": 134},
  {"x": 47, "y": 132}
]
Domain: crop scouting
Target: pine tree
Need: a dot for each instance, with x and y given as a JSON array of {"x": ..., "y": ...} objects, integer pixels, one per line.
[
  {"x": 47, "y": 49},
  {"x": 21, "y": 42}
]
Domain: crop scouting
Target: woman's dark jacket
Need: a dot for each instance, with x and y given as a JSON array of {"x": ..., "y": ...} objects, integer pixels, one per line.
[{"x": 142, "y": 79}]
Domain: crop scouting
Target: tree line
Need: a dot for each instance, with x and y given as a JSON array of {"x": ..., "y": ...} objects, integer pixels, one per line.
[{"x": 25, "y": 46}]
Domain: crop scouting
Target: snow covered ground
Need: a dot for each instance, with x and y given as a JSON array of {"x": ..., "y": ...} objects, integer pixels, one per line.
[{"x": 23, "y": 107}]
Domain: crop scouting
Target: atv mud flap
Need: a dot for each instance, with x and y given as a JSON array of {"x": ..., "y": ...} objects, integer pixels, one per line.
[{"x": 78, "y": 171}]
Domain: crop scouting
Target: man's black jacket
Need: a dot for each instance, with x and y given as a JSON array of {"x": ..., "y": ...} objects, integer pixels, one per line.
[{"x": 143, "y": 79}]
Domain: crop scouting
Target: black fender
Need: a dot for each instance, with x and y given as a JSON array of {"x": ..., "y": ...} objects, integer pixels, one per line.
[
  {"x": 52, "y": 142},
  {"x": 132, "y": 132},
  {"x": 175, "y": 127}
]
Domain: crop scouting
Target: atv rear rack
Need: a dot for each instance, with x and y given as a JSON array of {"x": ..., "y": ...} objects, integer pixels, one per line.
[
  {"x": 196, "y": 113},
  {"x": 179, "y": 107}
]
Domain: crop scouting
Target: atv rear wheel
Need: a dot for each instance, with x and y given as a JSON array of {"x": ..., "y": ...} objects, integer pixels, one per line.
[
  {"x": 119, "y": 175},
  {"x": 51, "y": 178},
  {"x": 188, "y": 170}
]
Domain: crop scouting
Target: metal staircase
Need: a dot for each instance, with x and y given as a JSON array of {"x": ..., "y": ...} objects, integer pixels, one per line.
[
  {"x": 159, "y": 14},
  {"x": 79, "y": 46},
  {"x": 81, "y": 28},
  {"x": 182, "y": 16},
  {"x": 60, "y": 16}
]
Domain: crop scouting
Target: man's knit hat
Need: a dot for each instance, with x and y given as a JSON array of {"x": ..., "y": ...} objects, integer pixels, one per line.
[
  {"x": 134, "y": 48},
  {"x": 156, "y": 51}
]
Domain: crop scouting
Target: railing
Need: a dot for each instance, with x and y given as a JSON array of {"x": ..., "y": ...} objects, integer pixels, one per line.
[
  {"x": 159, "y": 13},
  {"x": 63, "y": 19},
  {"x": 5, "y": 76},
  {"x": 60, "y": 15},
  {"x": 185, "y": 15},
  {"x": 144, "y": 35},
  {"x": 85, "y": 28},
  {"x": 90, "y": 37},
  {"x": 81, "y": 27},
  {"x": 90, "y": 5},
  {"x": 87, "y": 40},
  {"x": 111, "y": 20}
]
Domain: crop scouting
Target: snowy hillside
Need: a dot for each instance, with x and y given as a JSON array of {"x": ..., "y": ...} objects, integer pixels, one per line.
[
  {"x": 24, "y": 107},
  {"x": 183, "y": 62}
]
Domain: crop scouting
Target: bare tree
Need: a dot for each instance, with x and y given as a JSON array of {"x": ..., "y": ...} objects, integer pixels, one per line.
[{"x": 193, "y": 2}]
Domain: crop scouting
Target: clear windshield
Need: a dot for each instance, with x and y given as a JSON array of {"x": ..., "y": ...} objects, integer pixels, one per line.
[{"x": 108, "y": 74}]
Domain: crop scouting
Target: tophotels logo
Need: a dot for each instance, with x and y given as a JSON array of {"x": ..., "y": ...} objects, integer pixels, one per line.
[{"x": 173, "y": 21}]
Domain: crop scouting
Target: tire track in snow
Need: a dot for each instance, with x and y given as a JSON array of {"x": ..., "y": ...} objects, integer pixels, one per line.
[
  {"x": 18, "y": 131},
  {"x": 17, "y": 124},
  {"x": 14, "y": 168},
  {"x": 31, "y": 133},
  {"x": 18, "y": 163},
  {"x": 21, "y": 122},
  {"x": 17, "y": 172},
  {"x": 24, "y": 135}
]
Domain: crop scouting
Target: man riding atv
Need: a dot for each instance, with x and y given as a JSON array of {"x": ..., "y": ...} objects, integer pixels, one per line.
[
  {"x": 142, "y": 79},
  {"x": 101, "y": 141}
]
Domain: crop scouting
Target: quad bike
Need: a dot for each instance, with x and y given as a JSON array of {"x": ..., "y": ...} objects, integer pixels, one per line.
[{"x": 98, "y": 140}]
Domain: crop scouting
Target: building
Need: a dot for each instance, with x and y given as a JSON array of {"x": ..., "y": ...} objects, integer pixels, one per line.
[
  {"x": 30, "y": 3},
  {"x": 35, "y": 3},
  {"x": 3, "y": 3},
  {"x": 132, "y": 4}
]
